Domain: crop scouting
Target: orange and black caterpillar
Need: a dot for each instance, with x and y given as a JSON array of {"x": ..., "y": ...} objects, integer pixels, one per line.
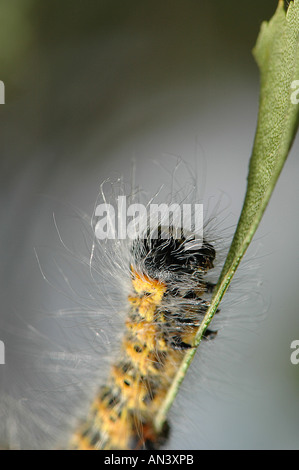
[{"x": 166, "y": 305}]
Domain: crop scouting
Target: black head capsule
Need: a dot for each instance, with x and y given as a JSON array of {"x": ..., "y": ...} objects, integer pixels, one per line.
[{"x": 161, "y": 256}]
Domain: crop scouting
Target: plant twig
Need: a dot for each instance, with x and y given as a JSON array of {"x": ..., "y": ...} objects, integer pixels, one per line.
[{"x": 277, "y": 55}]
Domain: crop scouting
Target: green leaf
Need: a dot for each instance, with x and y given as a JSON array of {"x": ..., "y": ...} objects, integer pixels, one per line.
[{"x": 277, "y": 55}]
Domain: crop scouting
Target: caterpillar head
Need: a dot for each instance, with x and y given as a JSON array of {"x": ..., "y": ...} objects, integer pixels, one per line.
[{"x": 166, "y": 254}]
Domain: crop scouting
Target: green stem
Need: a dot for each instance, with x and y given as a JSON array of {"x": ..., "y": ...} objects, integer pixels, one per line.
[{"x": 276, "y": 53}]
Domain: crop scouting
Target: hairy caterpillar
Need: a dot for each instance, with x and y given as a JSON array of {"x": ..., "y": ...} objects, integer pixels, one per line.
[
  {"x": 166, "y": 294},
  {"x": 124, "y": 268},
  {"x": 167, "y": 301}
]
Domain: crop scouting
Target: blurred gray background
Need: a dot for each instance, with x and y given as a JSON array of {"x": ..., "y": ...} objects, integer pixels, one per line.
[{"x": 91, "y": 86}]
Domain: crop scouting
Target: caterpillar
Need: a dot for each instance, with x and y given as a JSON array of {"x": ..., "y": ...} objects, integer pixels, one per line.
[
  {"x": 157, "y": 286},
  {"x": 167, "y": 300}
]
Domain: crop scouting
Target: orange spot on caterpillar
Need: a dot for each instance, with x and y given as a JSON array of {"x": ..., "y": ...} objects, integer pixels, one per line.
[
  {"x": 133, "y": 389},
  {"x": 148, "y": 334}
]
